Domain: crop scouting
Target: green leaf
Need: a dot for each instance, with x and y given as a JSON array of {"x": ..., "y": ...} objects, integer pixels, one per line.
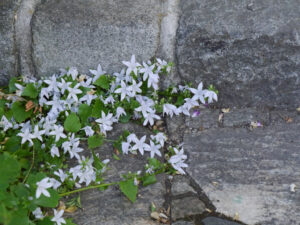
[
  {"x": 69, "y": 222},
  {"x": 30, "y": 91},
  {"x": 98, "y": 108},
  {"x": 125, "y": 118},
  {"x": 103, "y": 82},
  {"x": 13, "y": 144},
  {"x": 155, "y": 163},
  {"x": 116, "y": 157},
  {"x": 129, "y": 189},
  {"x": 97, "y": 163},
  {"x": 52, "y": 201},
  {"x": 45, "y": 221},
  {"x": 95, "y": 141},
  {"x": 9, "y": 170},
  {"x": 19, "y": 217},
  {"x": 150, "y": 179},
  {"x": 72, "y": 123},
  {"x": 84, "y": 112},
  {"x": 11, "y": 86},
  {"x": 19, "y": 112}
]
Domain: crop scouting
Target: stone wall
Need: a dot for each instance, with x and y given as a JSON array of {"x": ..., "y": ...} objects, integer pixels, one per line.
[{"x": 249, "y": 49}]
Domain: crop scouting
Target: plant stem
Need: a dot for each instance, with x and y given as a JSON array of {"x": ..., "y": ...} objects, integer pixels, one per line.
[
  {"x": 31, "y": 166},
  {"x": 87, "y": 188}
]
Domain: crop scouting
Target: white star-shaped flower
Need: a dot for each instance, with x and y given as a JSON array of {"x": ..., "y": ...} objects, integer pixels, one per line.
[
  {"x": 38, "y": 133},
  {"x": 140, "y": 145},
  {"x": 198, "y": 93},
  {"x": 119, "y": 112},
  {"x": 124, "y": 90},
  {"x": 159, "y": 138},
  {"x": 97, "y": 73},
  {"x": 88, "y": 98},
  {"x": 135, "y": 88},
  {"x": 105, "y": 122},
  {"x": 131, "y": 65},
  {"x": 60, "y": 173},
  {"x": 54, "y": 151},
  {"x": 58, "y": 217},
  {"x": 26, "y": 136},
  {"x": 58, "y": 132},
  {"x": 149, "y": 118},
  {"x": 153, "y": 149},
  {"x": 73, "y": 92},
  {"x": 210, "y": 95},
  {"x": 52, "y": 84},
  {"x": 42, "y": 187},
  {"x": 170, "y": 110},
  {"x": 63, "y": 85},
  {"x": 147, "y": 70},
  {"x": 88, "y": 131},
  {"x": 73, "y": 72}
]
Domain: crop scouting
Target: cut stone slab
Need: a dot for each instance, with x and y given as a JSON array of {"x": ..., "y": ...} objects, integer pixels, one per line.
[
  {"x": 110, "y": 206},
  {"x": 181, "y": 222},
  {"x": 185, "y": 207},
  {"x": 84, "y": 33},
  {"x": 217, "y": 221},
  {"x": 7, "y": 48},
  {"x": 180, "y": 185},
  {"x": 207, "y": 118},
  {"x": 244, "y": 117},
  {"x": 249, "y": 50},
  {"x": 249, "y": 172}
]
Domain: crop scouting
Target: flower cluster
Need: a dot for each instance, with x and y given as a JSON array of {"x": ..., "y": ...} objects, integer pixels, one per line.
[{"x": 50, "y": 118}]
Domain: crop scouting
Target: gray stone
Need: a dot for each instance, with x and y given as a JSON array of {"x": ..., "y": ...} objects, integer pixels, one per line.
[
  {"x": 244, "y": 117},
  {"x": 180, "y": 185},
  {"x": 207, "y": 119},
  {"x": 185, "y": 207},
  {"x": 251, "y": 54},
  {"x": 249, "y": 173},
  {"x": 8, "y": 58},
  {"x": 111, "y": 207},
  {"x": 176, "y": 128},
  {"x": 217, "y": 221},
  {"x": 84, "y": 33},
  {"x": 181, "y": 222}
]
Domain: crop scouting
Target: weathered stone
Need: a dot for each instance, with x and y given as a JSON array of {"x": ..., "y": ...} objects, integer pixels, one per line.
[
  {"x": 244, "y": 117},
  {"x": 249, "y": 172},
  {"x": 175, "y": 127},
  {"x": 251, "y": 54},
  {"x": 83, "y": 33},
  {"x": 188, "y": 206},
  {"x": 8, "y": 58},
  {"x": 217, "y": 221},
  {"x": 111, "y": 207},
  {"x": 207, "y": 119},
  {"x": 181, "y": 222},
  {"x": 180, "y": 185}
]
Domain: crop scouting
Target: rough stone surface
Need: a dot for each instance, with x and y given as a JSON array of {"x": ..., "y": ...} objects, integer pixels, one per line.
[
  {"x": 180, "y": 185},
  {"x": 181, "y": 222},
  {"x": 84, "y": 33},
  {"x": 187, "y": 206},
  {"x": 244, "y": 117},
  {"x": 207, "y": 119},
  {"x": 8, "y": 58},
  {"x": 217, "y": 221},
  {"x": 249, "y": 172},
  {"x": 248, "y": 49},
  {"x": 176, "y": 128},
  {"x": 111, "y": 207}
]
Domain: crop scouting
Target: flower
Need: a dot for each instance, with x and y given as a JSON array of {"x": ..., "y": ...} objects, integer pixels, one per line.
[
  {"x": 26, "y": 136},
  {"x": 58, "y": 132},
  {"x": 38, "y": 214},
  {"x": 52, "y": 84},
  {"x": 88, "y": 131},
  {"x": 147, "y": 70},
  {"x": 210, "y": 95},
  {"x": 97, "y": 73},
  {"x": 126, "y": 147},
  {"x": 105, "y": 122},
  {"x": 132, "y": 65},
  {"x": 124, "y": 90},
  {"x": 198, "y": 93},
  {"x": 177, "y": 160},
  {"x": 135, "y": 88},
  {"x": 73, "y": 92},
  {"x": 63, "y": 85},
  {"x": 159, "y": 138},
  {"x": 58, "y": 217},
  {"x": 38, "y": 133},
  {"x": 153, "y": 80},
  {"x": 60, "y": 173},
  {"x": 88, "y": 98},
  {"x": 153, "y": 149},
  {"x": 4, "y": 122},
  {"x": 149, "y": 117},
  {"x": 170, "y": 109},
  {"x": 42, "y": 187},
  {"x": 73, "y": 73},
  {"x": 120, "y": 111},
  {"x": 54, "y": 151},
  {"x": 140, "y": 145}
]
